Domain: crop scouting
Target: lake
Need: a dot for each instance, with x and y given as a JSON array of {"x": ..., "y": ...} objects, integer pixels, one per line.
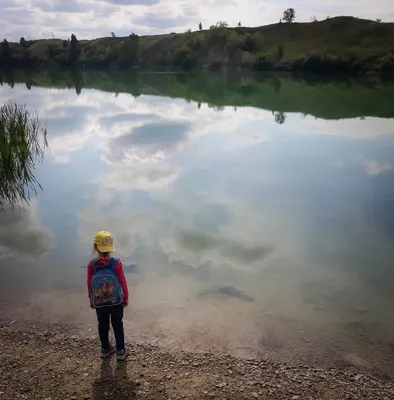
[{"x": 254, "y": 214}]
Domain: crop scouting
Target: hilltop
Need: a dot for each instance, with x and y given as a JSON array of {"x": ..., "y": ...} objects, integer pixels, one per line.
[{"x": 340, "y": 43}]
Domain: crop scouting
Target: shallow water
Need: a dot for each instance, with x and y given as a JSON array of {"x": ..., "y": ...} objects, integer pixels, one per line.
[{"x": 256, "y": 216}]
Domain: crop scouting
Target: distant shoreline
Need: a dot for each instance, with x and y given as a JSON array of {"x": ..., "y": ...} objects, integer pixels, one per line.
[{"x": 341, "y": 44}]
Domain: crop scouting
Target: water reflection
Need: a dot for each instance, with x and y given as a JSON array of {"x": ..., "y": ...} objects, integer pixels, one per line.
[{"x": 244, "y": 228}]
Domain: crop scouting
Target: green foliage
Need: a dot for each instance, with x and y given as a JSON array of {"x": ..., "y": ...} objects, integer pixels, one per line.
[
  {"x": 386, "y": 63},
  {"x": 248, "y": 60},
  {"x": 194, "y": 40},
  {"x": 219, "y": 33},
  {"x": 75, "y": 50},
  {"x": 280, "y": 53},
  {"x": 129, "y": 50},
  {"x": 184, "y": 57},
  {"x": 22, "y": 143},
  {"x": 289, "y": 15},
  {"x": 263, "y": 62},
  {"x": 234, "y": 43},
  {"x": 249, "y": 43},
  {"x": 6, "y": 51},
  {"x": 113, "y": 54},
  {"x": 219, "y": 25}
]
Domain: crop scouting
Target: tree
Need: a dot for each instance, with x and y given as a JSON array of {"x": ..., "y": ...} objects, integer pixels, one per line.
[
  {"x": 314, "y": 19},
  {"x": 379, "y": 20},
  {"x": 5, "y": 50},
  {"x": 219, "y": 25},
  {"x": 289, "y": 15},
  {"x": 280, "y": 117},
  {"x": 113, "y": 35},
  {"x": 200, "y": 26},
  {"x": 23, "y": 42},
  {"x": 239, "y": 24},
  {"x": 128, "y": 52},
  {"x": 75, "y": 49}
]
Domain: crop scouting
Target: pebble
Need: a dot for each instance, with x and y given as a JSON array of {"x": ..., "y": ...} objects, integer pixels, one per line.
[{"x": 255, "y": 395}]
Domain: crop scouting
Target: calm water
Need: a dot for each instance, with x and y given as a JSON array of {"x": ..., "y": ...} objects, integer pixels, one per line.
[{"x": 255, "y": 215}]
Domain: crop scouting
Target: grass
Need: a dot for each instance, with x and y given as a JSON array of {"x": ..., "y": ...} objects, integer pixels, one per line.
[{"x": 22, "y": 144}]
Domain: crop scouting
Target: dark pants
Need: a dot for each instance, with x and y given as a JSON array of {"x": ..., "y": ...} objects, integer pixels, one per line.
[{"x": 115, "y": 313}]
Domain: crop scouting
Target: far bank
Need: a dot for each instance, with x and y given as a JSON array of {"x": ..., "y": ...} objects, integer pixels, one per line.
[{"x": 345, "y": 44}]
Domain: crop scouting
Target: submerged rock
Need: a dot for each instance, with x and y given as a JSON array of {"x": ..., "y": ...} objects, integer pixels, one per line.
[
  {"x": 234, "y": 292},
  {"x": 230, "y": 291}
]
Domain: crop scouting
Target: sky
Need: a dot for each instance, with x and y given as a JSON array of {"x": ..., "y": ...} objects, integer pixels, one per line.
[{"x": 89, "y": 19}]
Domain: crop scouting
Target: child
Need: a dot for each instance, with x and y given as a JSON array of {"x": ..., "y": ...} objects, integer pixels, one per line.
[{"x": 108, "y": 294}]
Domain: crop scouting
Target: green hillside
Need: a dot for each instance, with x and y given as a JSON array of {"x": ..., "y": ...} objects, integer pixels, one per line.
[{"x": 341, "y": 43}]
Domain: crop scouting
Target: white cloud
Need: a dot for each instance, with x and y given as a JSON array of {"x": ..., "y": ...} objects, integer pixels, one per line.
[
  {"x": 375, "y": 168},
  {"x": 89, "y": 18},
  {"x": 21, "y": 234}
]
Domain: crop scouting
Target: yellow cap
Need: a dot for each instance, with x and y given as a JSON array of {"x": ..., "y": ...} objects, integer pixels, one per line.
[{"x": 104, "y": 242}]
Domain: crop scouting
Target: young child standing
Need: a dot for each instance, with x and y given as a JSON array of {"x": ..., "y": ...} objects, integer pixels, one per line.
[{"x": 108, "y": 294}]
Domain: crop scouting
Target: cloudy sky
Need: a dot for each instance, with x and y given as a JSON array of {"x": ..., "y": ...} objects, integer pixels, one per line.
[{"x": 97, "y": 18}]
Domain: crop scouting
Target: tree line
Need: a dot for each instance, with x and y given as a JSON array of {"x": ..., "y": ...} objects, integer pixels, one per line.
[{"x": 69, "y": 52}]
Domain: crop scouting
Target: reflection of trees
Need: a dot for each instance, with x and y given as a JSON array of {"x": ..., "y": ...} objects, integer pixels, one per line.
[
  {"x": 280, "y": 117},
  {"x": 216, "y": 108},
  {"x": 22, "y": 143}
]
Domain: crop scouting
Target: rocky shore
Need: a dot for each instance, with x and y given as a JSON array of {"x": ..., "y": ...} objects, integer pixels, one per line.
[{"x": 53, "y": 365}]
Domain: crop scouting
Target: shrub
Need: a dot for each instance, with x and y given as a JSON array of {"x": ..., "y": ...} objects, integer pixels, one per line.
[
  {"x": 129, "y": 50},
  {"x": 183, "y": 57},
  {"x": 194, "y": 40}
]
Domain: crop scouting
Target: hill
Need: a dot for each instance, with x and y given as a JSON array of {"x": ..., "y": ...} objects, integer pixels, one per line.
[{"x": 341, "y": 43}]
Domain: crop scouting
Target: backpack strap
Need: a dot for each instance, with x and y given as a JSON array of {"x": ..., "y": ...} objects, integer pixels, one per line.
[{"x": 111, "y": 263}]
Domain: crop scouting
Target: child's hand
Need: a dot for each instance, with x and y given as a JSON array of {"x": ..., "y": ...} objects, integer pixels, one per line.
[
  {"x": 125, "y": 303},
  {"x": 91, "y": 306}
]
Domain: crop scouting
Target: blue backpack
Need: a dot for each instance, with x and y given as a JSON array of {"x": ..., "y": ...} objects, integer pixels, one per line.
[{"x": 106, "y": 288}]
